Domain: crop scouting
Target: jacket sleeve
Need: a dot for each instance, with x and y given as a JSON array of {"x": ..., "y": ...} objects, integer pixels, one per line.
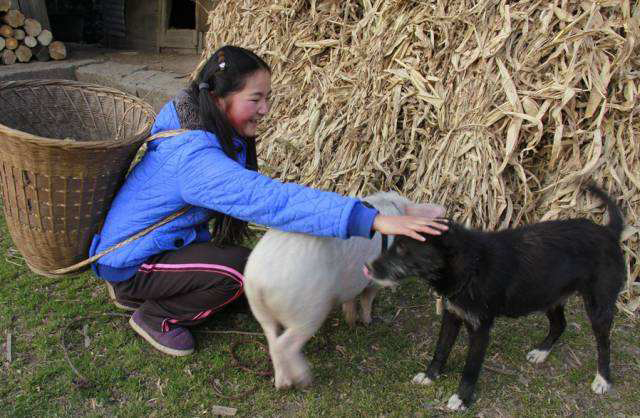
[{"x": 207, "y": 177}]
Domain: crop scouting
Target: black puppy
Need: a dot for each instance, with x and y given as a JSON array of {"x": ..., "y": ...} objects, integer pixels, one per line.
[{"x": 512, "y": 273}]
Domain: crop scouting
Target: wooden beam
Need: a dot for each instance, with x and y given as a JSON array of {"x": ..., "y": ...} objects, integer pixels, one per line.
[
  {"x": 5, "y": 5},
  {"x": 203, "y": 7},
  {"x": 35, "y": 9}
]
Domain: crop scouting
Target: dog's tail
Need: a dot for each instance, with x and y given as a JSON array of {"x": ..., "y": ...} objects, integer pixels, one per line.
[{"x": 616, "y": 222}]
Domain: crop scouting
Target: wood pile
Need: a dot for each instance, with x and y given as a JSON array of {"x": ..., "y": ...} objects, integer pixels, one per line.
[{"x": 23, "y": 39}]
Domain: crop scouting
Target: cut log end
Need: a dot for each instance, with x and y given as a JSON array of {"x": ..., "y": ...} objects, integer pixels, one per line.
[
  {"x": 13, "y": 18},
  {"x": 32, "y": 27},
  {"x": 23, "y": 53},
  {"x": 57, "y": 50},
  {"x": 5, "y": 5},
  {"x": 19, "y": 34},
  {"x": 45, "y": 37},
  {"x": 41, "y": 53},
  {"x": 30, "y": 41},
  {"x": 7, "y": 57},
  {"x": 11, "y": 43},
  {"x": 6, "y": 31}
]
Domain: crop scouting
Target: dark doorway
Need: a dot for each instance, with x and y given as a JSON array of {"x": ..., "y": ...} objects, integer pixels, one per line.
[
  {"x": 76, "y": 20},
  {"x": 182, "y": 14}
]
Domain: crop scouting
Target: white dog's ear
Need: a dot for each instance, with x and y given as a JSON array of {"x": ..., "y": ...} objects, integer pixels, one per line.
[{"x": 425, "y": 210}]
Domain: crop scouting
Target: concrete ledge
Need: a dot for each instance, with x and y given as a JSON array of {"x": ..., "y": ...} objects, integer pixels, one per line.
[
  {"x": 155, "y": 87},
  {"x": 40, "y": 70},
  {"x": 105, "y": 73}
]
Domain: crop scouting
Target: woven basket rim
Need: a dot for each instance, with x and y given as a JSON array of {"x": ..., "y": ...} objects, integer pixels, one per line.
[{"x": 77, "y": 143}]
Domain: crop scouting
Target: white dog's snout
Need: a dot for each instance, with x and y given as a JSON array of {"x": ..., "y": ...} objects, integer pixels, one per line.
[{"x": 366, "y": 270}]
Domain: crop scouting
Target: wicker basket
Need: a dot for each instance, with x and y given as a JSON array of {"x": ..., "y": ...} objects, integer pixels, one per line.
[{"x": 56, "y": 192}]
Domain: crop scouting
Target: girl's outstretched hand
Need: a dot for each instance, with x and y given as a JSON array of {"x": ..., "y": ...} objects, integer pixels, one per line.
[{"x": 410, "y": 226}]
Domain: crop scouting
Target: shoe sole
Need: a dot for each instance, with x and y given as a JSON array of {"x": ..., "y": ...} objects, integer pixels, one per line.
[
  {"x": 166, "y": 350},
  {"x": 112, "y": 296},
  {"x": 124, "y": 307}
]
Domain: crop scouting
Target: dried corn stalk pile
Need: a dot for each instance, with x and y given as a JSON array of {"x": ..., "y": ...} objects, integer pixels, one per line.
[{"x": 497, "y": 110}]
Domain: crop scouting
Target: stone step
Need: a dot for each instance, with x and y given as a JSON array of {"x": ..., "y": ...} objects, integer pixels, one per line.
[{"x": 155, "y": 87}]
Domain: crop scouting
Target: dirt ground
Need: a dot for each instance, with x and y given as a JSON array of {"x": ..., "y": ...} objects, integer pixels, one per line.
[{"x": 178, "y": 63}]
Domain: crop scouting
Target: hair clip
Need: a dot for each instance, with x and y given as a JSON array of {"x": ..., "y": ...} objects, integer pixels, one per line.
[
  {"x": 221, "y": 63},
  {"x": 203, "y": 86}
]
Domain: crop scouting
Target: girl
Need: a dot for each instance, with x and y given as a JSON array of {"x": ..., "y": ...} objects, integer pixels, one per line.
[{"x": 175, "y": 276}]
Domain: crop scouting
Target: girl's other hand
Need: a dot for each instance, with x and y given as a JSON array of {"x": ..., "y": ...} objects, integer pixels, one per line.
[{"x": 410, "y": 226}]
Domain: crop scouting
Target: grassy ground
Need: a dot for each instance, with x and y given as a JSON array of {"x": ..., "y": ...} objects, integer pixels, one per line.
[{"x": 358, "y": 372}]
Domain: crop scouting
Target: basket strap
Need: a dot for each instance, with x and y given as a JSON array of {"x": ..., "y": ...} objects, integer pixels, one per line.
[
  {"x": 83, "y": 263},
  {"x": 122, "y": 243},
  {"x": 166, "y": 134}
]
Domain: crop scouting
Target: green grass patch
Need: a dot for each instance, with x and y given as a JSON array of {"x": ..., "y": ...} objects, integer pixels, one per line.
[{"x": 363, "y": 371}]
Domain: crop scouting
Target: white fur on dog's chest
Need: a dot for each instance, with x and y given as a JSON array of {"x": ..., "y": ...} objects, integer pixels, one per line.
[{"x": 462, "y": 314}]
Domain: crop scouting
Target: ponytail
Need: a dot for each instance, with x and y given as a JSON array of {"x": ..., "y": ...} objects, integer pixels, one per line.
[{"x": 224, "y": 73}]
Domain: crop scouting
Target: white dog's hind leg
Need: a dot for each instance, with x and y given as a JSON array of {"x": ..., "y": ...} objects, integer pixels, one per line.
[
  {"x": 350, "y": 311},
  {"x": 366, "y": 302},
  {"x": 292, "y": 340},
  {"x": 281, "y": 373},
  {"x": 271, "y": 328},
  {"x": 289, "y": 347}
]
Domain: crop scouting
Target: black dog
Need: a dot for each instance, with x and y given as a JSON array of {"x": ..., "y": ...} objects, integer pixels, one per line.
[{"x": 512, "y": 273}]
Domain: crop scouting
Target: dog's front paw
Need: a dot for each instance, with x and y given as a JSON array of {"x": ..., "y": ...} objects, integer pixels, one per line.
[
  {"x": 303, "y": 381},
  {"x": 421, "y": 379},
  {"x": 366, "y": 318},
  {"x": 283, "y": 381},
  {"x": 600, "y": 385},
  {"x": 455, "y": 403},
  {"x": 537, "y": 356}
]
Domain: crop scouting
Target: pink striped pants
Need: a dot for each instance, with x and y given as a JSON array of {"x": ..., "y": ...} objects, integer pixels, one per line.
[{"x": 186, "y": 286}]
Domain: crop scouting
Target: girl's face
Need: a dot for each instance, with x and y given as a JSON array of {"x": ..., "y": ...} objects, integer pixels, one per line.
[{"x": 246, "y": 107}]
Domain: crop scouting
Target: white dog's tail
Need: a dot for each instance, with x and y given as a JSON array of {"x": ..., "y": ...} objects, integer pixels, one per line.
[{"x": 260, "y": 310}]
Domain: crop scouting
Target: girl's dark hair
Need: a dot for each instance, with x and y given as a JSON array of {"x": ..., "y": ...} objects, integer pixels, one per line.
[{"x": 226, "y": 72}]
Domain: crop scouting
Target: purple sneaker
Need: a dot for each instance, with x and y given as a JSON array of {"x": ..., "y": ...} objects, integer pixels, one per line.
[
  {"x": 123, "y": 303},
  {"x": 176, "y": 342}
]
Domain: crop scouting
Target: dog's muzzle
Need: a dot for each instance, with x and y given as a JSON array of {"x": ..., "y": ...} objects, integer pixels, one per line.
[{"x": 367, "y": 271}]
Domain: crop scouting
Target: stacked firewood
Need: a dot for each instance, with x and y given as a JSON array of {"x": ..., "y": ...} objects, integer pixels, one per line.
[{"x": 22, "y": 38}]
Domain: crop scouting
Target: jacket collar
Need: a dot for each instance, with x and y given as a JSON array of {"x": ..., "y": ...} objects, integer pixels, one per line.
[{"x": 187, "y": 110}]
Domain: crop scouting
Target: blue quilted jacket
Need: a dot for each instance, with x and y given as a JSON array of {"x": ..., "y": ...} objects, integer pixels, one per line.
[{"x": 192, "y": 169}]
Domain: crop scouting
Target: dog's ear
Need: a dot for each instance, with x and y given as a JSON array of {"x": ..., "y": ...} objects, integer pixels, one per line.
[
  {"x": 449, "y": 242},
  {"x": 462, "y": 252},
  {"x": 399, "y": 245},
  {"x": 425, "y": 210}
]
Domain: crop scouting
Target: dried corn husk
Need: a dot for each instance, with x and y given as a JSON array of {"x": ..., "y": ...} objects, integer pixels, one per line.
[{"x": 499, "y": 110}]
